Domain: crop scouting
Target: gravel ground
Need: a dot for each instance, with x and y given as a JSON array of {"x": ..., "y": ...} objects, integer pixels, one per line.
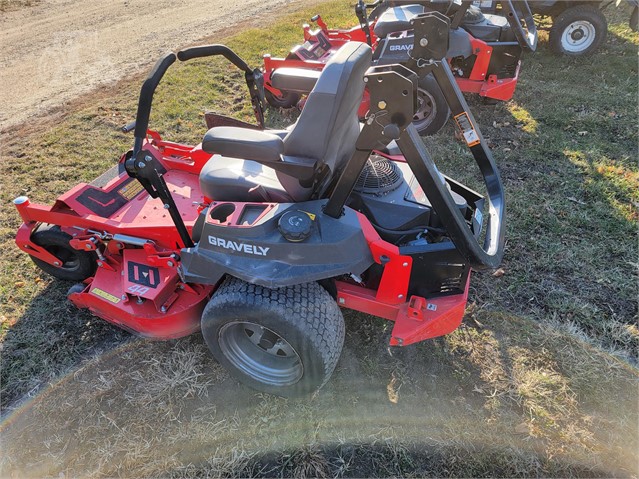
[{"x": 56, "y": 50}]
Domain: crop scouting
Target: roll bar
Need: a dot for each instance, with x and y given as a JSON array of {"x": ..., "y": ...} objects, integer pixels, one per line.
[
  {"x": 146, "y": 98},
  {"x": 516, "y": 11},
  {"x": 254, "y": 81}
]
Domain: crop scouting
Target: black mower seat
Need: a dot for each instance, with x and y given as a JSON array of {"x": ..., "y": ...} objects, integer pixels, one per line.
[
  {"x": 484, "y": 26},
  {"x": 250, "y": 165},
  {"x": 396, "y": 19}
]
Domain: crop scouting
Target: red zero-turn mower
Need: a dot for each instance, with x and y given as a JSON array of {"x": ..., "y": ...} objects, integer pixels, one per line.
[
  {"x": 484, "y": 53},
  {"x": 258, "y": 237}
]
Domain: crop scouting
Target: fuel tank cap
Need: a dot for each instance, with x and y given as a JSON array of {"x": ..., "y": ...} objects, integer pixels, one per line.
[{"x": 295, "y": 226}]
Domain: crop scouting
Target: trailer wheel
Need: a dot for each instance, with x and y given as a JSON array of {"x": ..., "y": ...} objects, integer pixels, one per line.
[
  {"x": 76, "y": 265},
  {"x": 283, "y": 341},
  {"x": 287, "y": 99},
  {"x": 432, "y": 111},
  {"x": 578, "y": 30}
]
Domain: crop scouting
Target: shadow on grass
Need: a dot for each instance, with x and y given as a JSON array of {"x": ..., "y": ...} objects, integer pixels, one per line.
[
  {"x": 50, "y": 338},
  {"x": 462, "y": 405}
]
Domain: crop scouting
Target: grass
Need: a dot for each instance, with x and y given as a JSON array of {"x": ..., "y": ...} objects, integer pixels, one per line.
[{"x": 541, "y": 380}]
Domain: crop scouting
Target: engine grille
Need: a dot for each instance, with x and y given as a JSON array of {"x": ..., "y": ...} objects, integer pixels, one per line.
[{"x": 379, "y": 176}]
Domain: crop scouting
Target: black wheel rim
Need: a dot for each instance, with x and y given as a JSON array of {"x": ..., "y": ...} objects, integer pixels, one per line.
[
  {"x": 260, "y": 353},
  {"x": 426, "y": 109}
]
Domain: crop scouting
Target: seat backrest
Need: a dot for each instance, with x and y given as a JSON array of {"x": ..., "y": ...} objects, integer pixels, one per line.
[
  {"x": 396, "y": 19},
  {"x": 328, "y": 126}
]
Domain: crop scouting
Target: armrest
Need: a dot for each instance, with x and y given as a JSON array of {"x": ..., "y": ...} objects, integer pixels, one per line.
[
  {"x": 243, "y": 143},
  {"x": 259, "y": 146},
  {"x": 295, "y": 79}
]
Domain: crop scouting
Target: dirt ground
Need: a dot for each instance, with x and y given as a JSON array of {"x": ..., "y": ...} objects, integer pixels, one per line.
[{"x": 55, "y": 50}]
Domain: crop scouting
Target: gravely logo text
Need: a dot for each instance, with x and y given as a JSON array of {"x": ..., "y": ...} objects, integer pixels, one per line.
[
  {"x": 240, "y": 247},
  {"x": 399, "y": 48}
]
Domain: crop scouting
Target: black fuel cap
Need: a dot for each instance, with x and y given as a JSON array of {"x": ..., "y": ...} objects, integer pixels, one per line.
[{"x": 295, "y": 226}]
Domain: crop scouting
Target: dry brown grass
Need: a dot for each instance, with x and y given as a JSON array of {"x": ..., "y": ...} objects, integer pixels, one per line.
[{"x": 512, "y": 399}]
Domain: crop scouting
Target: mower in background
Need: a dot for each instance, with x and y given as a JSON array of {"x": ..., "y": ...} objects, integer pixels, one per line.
[
  {"x": 484, "y": 53},
  {"x": 579, "y": 27}
]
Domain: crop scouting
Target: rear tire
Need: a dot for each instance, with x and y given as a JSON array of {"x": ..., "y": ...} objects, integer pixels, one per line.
[
  {"x": 432, "y": 112},
  {"x": 283, "y": 341},
  {"x": 287, "y": 99},
  {"x": 578, "y": 30},
  {"x": 76, "y": 265}
]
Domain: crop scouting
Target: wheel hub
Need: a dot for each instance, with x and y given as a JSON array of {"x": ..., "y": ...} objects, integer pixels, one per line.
[
  {"x": 426, "y": 109},
  {"x": 260, "y": 353},
  {"x": 578, "y": 36}
]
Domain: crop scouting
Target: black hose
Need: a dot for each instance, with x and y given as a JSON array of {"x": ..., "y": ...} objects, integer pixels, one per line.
[{"x": 413, "y": 231}]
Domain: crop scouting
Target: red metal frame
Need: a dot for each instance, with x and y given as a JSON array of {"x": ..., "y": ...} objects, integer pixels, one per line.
[{"x": 137, "y": 286}]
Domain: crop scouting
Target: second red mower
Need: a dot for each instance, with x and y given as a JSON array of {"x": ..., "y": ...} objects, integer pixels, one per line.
[{"x": 484, "y": 53}]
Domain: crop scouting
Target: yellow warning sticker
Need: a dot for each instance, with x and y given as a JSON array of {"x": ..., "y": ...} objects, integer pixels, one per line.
[
  {"x": 131, "y": 190},
  {"x": 468, "y": 130},
  {"x": 104, "y": 295},
  {"x": 310, "y": 215}
]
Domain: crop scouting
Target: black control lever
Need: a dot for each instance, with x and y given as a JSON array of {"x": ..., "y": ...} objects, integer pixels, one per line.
[
  {"x": 360, "y": 12},
  {"x": 149, "y": 172},
  {"x": 146, "y": 99}
]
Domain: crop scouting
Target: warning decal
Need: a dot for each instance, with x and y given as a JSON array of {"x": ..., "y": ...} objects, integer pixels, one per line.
[
  {"x": 131, "y": 190},
  {"x": 468, "y": 130},
  {"x": 104, "y": 295}
]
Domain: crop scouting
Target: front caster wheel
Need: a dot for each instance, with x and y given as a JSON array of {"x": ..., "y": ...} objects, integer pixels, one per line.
[
  {"x": 75, "y": 265},
  {"x": 283, "y": 341},
  {"x": 287, "y": 99}
]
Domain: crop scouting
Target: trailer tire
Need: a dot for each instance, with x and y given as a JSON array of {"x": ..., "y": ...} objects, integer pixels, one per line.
[
  {"x": 578, "y": 30},
  {"x": 283, "y": 341},
  {"x": 288, "y": 99},
  {"x": 433, "y": 111},
  {"x": 76, "y": 265}
]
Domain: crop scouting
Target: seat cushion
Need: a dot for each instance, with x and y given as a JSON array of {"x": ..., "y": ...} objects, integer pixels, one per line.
[
  {"x": 489, "y": 29},
  {"x": 232, "y": 179},
  {"x": 243, "y": 143},
  {"x": 396, "y": 19}
]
